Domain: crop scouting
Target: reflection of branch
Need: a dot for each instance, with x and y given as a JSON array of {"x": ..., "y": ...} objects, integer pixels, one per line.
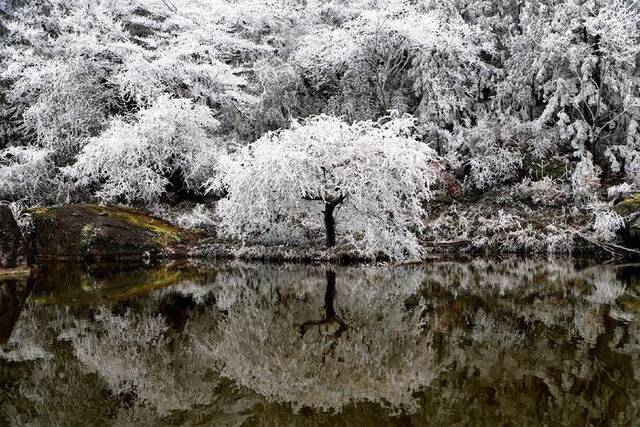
[{"x": 330, "y": 315}]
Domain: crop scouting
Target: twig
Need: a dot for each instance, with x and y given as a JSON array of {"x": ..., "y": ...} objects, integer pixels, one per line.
[
  {"x": 447, "y": 242},
  {"x": 170, "y": 6}
]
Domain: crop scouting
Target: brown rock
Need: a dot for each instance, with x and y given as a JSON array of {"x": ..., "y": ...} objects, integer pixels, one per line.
[
  {"x": 13, "y": 248},
  {"x": 104, "y": 232},
  {"x": 629, "y": 208}
]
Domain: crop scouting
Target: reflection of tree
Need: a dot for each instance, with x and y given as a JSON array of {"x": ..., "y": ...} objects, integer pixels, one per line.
[
  {"x": 476, "y": 343},
  {"x": 383, "y": 355},
  {"x": 506, "y": 335},
  {"x": 531, "y": 345},
  {"x": 136, "y": 355},
  {"x": 330, "y": 316}
]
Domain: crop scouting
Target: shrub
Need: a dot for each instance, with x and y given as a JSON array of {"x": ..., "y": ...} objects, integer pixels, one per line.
[{"x": 133, "y": 161}]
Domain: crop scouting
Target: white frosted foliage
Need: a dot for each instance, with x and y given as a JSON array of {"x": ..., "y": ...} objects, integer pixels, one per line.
[{"x": 381, "y": 171}]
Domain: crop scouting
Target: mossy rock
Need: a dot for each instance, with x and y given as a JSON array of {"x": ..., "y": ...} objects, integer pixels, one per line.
[
  {"x": 629, "y": 206},
  {"x": 630, "y": 209},
  {"x": 104, "y": 232}
]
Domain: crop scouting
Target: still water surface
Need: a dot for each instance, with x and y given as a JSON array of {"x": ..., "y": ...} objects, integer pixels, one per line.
[{"x": 511, "y": 342}]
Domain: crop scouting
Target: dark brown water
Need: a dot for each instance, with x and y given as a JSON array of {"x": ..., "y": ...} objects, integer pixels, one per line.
[{"x": 484, "y": 343}]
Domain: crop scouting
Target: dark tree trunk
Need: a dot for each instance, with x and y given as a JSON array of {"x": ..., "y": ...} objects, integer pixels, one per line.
[
  {"x": 330, "y": 221},
  {"x": 330, "y": 315},
  {"x": 330, "y": 224},
  {"x": 330, "y": 295}
]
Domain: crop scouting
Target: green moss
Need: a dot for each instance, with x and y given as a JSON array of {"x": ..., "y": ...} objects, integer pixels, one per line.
[
  {"x": 631, "y": 304},
  {"x": 166, "y": 234},
  {"x": 14, "y": 273},
  {"x": 41, "y": 212},
  {"x": 629, "y": 205},
  {"x": 119, "y": 287}
]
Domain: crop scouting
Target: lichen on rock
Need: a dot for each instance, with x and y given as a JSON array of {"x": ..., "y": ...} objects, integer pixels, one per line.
[
  {"x": 103, "y": 232},
  {"x": 629, "y": 205}
]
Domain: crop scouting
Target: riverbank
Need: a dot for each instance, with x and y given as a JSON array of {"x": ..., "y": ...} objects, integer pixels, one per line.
[{"x": 515, "y": 222}]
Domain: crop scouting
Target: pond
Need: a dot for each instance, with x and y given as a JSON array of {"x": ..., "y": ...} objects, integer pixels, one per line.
[{"x": 488, "y": 342}]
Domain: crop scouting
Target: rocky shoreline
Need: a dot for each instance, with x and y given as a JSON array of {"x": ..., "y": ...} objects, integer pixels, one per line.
[{"x": 90, "y": 232}]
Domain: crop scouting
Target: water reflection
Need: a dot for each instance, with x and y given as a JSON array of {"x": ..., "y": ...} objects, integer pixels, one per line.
[
  {"x": 480, "y": 343},
  {"x": 13, "y": 293}
]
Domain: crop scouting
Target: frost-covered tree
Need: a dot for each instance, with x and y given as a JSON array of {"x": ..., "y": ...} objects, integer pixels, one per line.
[
  {"x": 134, "y": 161},
  {"x": 487, "y": 152},
  {"x": 78, "y": 70},
  {"x": 496, "y": 86},
  {"x": 27, "y": 175},
  {"x": 571, "y": 71},
  {"x": 372, "y": 177},
  {"x": 417, "y": 57}
]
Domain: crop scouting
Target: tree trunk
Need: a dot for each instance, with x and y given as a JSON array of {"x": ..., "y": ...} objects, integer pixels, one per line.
[
  {"x": 329, "y": 220},
  {"x": 330, "y": 224}
]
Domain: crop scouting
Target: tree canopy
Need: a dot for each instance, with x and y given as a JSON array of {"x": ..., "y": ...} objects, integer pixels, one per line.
[{"x": 369, "y": 179}]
